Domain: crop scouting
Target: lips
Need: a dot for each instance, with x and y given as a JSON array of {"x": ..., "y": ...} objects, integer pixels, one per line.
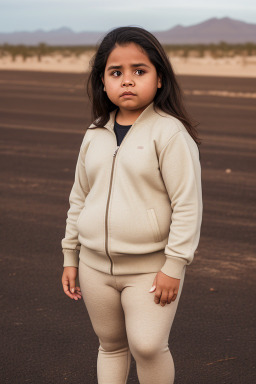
[{"x": 128, "y": 93}]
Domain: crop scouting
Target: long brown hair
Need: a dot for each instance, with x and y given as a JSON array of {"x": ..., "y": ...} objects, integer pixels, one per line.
[{"x": 169, "y": 97}]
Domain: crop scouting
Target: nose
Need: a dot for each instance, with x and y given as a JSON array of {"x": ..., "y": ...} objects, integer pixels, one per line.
[{"x": 126, "y": 82}]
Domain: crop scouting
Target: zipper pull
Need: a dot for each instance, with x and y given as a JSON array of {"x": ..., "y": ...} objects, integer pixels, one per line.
[{"x": 116, "y": 151}]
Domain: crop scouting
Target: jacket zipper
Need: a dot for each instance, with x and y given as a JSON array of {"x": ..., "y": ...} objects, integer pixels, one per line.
[
  {"x": 106, "y": 217},
  {"x": 109, "y": 193}
]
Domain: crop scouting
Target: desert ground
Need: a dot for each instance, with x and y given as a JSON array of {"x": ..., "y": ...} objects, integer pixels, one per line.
[
  {"x": 238, "y": 66},
  {"x": 46, "y": 337}
]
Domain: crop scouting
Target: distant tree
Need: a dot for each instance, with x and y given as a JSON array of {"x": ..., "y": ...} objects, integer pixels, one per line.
[
  {"x": 41, "y": 50},
  {"x": 24, "y": 51}
]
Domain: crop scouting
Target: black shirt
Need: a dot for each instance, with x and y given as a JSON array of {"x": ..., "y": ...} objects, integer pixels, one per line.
[{"x": 120, "y": 131}]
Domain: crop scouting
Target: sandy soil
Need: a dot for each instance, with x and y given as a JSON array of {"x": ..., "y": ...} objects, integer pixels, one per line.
[{"x": 237, "y": 66}]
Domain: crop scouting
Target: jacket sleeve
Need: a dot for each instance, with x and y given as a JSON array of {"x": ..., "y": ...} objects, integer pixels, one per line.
[
  {"x": 79, "y": 191},
  {"x": 181, "y": 171}
]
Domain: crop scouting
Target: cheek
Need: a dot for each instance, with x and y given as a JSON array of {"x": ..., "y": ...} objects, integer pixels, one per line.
[
  {"x": 152, "y": 86},
  {"x": 112, "y": 91},
  {"x": 111, "y": 86}
]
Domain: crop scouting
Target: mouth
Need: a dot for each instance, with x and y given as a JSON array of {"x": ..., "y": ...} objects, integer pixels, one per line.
[{"x": 127, "y": 94}]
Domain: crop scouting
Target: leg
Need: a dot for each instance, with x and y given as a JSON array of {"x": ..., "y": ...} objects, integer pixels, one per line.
[
  {"x": 103, "y": 303},
  {"x": 148, "y": 326}
]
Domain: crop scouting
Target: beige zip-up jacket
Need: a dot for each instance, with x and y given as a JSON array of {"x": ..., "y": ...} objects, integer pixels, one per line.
[{"x": 137, "y": 207}]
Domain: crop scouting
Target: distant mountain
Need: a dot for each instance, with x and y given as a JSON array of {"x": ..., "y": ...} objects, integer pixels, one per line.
[
  {"x": 210, "y": 31},
  {"x": 61, "y": 36}
]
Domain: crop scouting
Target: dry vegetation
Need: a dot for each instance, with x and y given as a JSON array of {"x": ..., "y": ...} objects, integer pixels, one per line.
[
  {"x": 216, "y": 51},
  {"x": 199, "y": 59}
]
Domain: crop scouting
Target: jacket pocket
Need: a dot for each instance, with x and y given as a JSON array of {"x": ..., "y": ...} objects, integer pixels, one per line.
[{"x": 154, "y": 225}]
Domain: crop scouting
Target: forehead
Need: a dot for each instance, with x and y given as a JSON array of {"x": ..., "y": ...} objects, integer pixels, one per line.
[{"x": 128, "y": 53}]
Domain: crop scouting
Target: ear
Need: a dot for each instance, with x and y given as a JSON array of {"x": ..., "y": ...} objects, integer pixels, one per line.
[
  {"x": 159, "y": 81},
  {"x": 102, "y": 79}
]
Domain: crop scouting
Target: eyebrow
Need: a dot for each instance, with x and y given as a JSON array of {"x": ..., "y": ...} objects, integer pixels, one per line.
[{"x": 132, "y": 65}]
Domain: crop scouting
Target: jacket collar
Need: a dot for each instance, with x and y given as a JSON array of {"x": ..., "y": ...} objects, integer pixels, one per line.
[{"x": 144, "y": 117}]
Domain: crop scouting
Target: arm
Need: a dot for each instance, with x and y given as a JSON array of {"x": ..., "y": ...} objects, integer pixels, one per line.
[
  {"x": 79, "y": 191},
  {"x": 181, "y": 172}
]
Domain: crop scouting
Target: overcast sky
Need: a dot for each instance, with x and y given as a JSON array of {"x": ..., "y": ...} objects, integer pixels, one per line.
[{"x": 102, "y": 15}]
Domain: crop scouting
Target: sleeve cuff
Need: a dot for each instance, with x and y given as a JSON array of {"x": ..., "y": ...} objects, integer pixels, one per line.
[
  {"x": 174, "y": 266},
  {"x": 71, "y": 257}
]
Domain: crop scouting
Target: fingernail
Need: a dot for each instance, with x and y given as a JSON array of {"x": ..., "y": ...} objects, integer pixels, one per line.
[
  {"x": 72, "y": 290},
  {"x": 152, "y": 289}
]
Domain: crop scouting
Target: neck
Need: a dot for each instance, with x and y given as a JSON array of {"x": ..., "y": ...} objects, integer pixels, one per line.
[{"x": 128, "y": 117}]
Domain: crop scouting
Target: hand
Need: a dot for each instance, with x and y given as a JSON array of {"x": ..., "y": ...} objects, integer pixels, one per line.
[
  {"x": 166, "y": 288},
  {"x": 69, "y": 281}
]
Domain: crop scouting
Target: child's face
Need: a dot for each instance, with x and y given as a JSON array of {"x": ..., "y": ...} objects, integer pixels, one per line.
[{"x": 135, "y": 73}]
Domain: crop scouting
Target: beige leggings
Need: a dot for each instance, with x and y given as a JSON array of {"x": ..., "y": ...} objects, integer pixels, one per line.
[{"x": 127, "y": 321}]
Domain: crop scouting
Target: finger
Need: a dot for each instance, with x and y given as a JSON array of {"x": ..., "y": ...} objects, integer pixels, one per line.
[
  {"x": 152, "y": 289},
  {"x": 68, "y": 293},
  {"x": 78, "y": 289},
  {"x": 78, "y": 295},
  {"x": 157, "y": 297},
  {"x": 170, "y": 296},
  {"x": 72, "y": 284},
  {"x": 65, "y": 287},
  {"x": 164, "y": 298},
  {"x": 66, "y": 290},
  {"x": 174, "y": 297}
]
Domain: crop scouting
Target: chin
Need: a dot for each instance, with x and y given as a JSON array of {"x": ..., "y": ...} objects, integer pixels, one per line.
[{"x": 129, "y": 106}]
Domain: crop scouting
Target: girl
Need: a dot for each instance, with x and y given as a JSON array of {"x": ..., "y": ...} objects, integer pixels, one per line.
[{"x": 135, "y": 207}]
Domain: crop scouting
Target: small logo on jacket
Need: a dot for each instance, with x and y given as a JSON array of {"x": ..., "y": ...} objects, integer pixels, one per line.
[{"x": 140, "y": 147}]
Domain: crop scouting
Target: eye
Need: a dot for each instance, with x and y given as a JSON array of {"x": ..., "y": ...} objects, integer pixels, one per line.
[
  {"x": 113, "y": 73},
  {"x": 141, "y": 71}
]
